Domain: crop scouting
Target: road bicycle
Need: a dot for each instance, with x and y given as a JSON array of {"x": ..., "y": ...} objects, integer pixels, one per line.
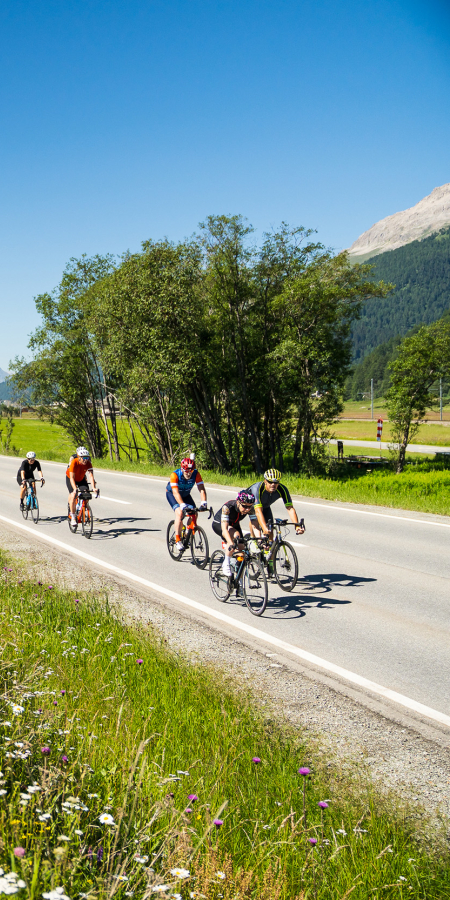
[
  {"x": 280, "y": 558},
  {"x": 247, "y": 577},
  {"x": 30, "y": 501},
  {"x": 191, "y": 536},
  {"x": 83, "y": 513}
]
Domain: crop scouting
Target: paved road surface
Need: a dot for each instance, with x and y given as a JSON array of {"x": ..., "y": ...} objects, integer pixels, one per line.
[{"x": 376, "y": 595}]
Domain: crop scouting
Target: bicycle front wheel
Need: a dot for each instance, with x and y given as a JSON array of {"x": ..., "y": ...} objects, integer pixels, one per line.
[
  {"x": 285, "y": 566},
  {"x": 35, "y": 509},
  {"x": 220, "y": 583},
  {"x": 87, "y": 520},
  {"x": 199, "y": 548},
  {"x": 255, "y": 586}
]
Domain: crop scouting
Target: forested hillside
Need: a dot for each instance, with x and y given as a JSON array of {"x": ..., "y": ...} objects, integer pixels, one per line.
[
  {"x": 376, "y": 365},
  {"x": 421, "y": 274}
]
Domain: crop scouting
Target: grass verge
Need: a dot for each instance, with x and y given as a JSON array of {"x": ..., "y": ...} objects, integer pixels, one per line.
[{"x": 128, "y": 772}]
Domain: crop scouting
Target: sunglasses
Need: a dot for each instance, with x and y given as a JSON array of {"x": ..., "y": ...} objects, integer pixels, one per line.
[{"x": 272, "y": 482}]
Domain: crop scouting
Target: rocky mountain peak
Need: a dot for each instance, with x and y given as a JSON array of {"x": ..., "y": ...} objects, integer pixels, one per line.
[{"x": 426, "y": 217}]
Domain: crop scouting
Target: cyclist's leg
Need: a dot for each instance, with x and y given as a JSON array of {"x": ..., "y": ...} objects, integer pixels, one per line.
[
  {"x": 234, "y": 533},
  {"x": 178, "y": 513},
  {"x": 72, "y": 497},
  {"x": 23, "y": 489}
]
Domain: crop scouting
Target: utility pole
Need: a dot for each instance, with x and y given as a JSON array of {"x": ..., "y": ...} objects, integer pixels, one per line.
[
  {"x": 440, "y": 399},
  {"x": 371, "y": 395}
]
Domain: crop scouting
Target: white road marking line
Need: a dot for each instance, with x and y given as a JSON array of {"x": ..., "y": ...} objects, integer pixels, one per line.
[
  {"x": 352, "y": 677},
  {"x": 114, "y": 500},
  {"x": 296, "y": 544},
  {"x": 331, "y": 505}
]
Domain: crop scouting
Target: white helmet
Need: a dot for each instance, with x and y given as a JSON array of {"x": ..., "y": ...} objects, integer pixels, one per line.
[
  {"x": 83, "y": 453},
  {"x": 31, "y": 455}
]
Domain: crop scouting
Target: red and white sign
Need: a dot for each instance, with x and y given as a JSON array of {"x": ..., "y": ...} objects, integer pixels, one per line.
[{"x": 379, "y": 429}]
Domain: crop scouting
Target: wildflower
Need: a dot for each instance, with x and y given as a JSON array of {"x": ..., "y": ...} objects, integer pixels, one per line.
[
  {"x": 323, "y": 804},
  {"x": 141, "y": 859},
  {"x": 188, "y": 810},
  {"x": 192, "y": 797},
  {"x": 139, "y": 662},
  {"x": 160, "y": 887},
  {"x": 45, "y": 752},
  {"x": 11, "y": 883},
  {"x": 99, "y": 855},
  {"x": 312, "y": 841},
  {"x": 59, "y": 852},
  {"x": 256, "y": 760},
  {"x": 218, "y": 823},
  {"x": 304, "y": 771},
  {"x": 121, "y": 877},
  {"x": 221, "y": 875},
  {"x": 341, "y": 831},
  {"x": 62, "y": 693},
  {"x": 55, "y": 703},
  {"x": 64, "y": 759},
  {"x": 16, "y": 709},
  {"x": 57, "y": 894},
  {"x": 45, "y": 817},
  {"x": 63, "y": 837},
  {"x": 19, "y": 852},
  {"x": 3, "y": 792},
  {"x": 33, "y": 788},
  {"x": 77, "y": 831},
  {"x": 402, "y": 878},
  {"x": 106, "y": 819},
  {"x": 180, "y": 873}
]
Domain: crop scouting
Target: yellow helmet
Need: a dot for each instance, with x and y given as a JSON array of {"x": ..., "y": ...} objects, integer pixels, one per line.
[{"x": 272, "y": 475}]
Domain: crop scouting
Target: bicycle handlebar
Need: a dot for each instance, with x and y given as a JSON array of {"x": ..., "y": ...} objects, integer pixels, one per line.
[
  {"x": 193, "y": 509},
  {"x": 286, "y": 522}
]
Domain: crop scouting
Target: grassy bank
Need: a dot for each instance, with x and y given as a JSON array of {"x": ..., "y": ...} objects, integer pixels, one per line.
[
  {"x": 424, "y": 486},
  {"x": 127, "y": 771}
]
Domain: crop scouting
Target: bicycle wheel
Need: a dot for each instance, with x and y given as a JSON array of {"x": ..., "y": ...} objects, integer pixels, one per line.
[
  {"x": 25, "y": 508},
  {"x": 175, "y": 548},
  {"x": 34, "y": 508},
  {"x": 87, "y": 519},
  {"x": 285, "y": 566},
  {"x": 199, "y": 548},
  {"x": 255, "y": 586},
  {"x": 220, "y": 584}
]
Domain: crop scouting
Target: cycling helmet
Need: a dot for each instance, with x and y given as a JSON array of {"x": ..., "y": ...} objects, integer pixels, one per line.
[
  {"x": 272, "y": 475},
  {"x": 246, "y": 498},
  {"x": 31, "y": 455},
  {"x": 82, "y": 453},
  {"x": 187, "y": 464}
]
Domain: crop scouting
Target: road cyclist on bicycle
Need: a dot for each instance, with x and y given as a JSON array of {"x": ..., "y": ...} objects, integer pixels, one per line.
[
  {"x": 178, "y": 491},
  {"x": 79, "y": 468},
  {"x": 26, "y": 473},
  {"x": 226, "y": 524},
  {"x": 266, "y": 493}
]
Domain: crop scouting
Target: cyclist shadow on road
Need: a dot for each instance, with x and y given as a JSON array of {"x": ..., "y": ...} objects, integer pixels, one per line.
[
  {"x": 327, "y": 582},
  {"x": 302, "y": 598},
  {"x": 118, "y": 529}
]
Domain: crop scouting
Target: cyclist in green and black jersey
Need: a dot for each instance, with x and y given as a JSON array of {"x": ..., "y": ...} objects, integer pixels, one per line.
[{"x": 266, "y": 493}]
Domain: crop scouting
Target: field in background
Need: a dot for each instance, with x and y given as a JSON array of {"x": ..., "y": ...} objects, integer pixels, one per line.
[
  {"x": 424, "y": 485},
  {"x": 436, "y": 435},
  {"x": 361, "y": 409},
  {"x": 98, "y": 713}
]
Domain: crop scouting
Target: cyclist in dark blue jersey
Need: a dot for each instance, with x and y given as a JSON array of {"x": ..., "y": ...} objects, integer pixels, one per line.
[{"x": 178, "y": 491}]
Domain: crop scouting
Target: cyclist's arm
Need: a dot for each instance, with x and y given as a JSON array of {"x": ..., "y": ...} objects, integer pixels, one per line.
[
  {"x": 202, "y": 492},
  {"x": 23, "y": 475},
  {"x": 90, "y": 472},
  {"x": 225, "y": 525}
]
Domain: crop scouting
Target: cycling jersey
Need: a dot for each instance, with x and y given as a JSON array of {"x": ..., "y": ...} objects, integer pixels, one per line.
[
  {"x": 229, "y": 514},
  {"x": 28, "y": 467},
  {"x": 264, "y": 499},
  {"x": 78, "y": 468},
  {"x": 184, "y": 485}
]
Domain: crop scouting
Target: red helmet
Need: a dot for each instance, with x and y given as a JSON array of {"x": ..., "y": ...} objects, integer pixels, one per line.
[{"x": 187, "y": 464}]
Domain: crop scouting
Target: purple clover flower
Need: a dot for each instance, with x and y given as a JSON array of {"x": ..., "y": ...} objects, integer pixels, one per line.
[
  {"x": 139, "y": 662},
  {"x": 55, "y": 703},
  {"x": 192, "y": 797},
  {"x": 62, "y": 693},
  {"x": 218, "y": 823},
  {"x": 256, "y": 760},
  {"x": 19, "y": 852},
  {"x": 312, "y": 841},
  {"x": 304, "y": 771},
  {"x": 188, "y": 810},
  {"x": 65, "y": 759},
  {"x": 45, "y": 751},
  {"x": 323, "y": 804}
]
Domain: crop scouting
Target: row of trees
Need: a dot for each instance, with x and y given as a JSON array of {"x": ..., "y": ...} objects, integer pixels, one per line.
[{"x": 237, "y": 351}]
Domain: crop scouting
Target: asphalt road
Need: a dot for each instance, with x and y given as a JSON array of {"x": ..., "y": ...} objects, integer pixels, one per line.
[{"x": 374, "y": 598}]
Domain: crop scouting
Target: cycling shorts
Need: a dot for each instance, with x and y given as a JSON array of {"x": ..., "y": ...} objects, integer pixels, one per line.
[
  {"x": 174, "y": 502},
  {"x": 81, "y": 485},
  {"x": 218, "y": 530},
  {"x": 268, "y": 515}
]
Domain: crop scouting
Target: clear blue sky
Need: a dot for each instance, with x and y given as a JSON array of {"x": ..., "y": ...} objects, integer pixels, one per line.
[{"x": 127, "y": 121}]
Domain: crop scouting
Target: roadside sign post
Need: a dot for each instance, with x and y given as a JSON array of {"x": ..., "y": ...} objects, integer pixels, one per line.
[{"x": 379, "y": 431}]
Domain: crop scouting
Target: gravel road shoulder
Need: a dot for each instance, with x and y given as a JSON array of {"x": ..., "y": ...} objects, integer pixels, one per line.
[{"x": 405, "y": 765}]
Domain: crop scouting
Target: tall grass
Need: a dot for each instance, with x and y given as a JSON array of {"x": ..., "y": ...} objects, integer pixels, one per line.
[{"x": 128, "y": 771}]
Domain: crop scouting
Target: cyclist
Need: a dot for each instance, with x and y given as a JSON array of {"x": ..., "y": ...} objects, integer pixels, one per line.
[
  {"x": 267, "y": 492},
  {"x": 227, "y": 524},
  {"x": 79, "y": 467},
  {"x": 26, "y": 471},
  {"x": 178, "y": 491}
]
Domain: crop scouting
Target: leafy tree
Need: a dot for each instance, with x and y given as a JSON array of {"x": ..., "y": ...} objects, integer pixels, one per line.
[{"x": 422, "y": 359}]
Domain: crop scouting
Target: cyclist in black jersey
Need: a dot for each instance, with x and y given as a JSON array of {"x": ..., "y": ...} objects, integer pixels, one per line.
[
  {"x": 26, "y": 471},
  {"x": 226, "y": 524},
  {"x": 267, "y": 492}
]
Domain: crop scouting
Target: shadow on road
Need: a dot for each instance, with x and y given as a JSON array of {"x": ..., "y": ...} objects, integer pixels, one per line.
[
  {"x": 327, "y": 581},
  {"x": 296, "y": 604},
  {"x": 115, "y": 526}
]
